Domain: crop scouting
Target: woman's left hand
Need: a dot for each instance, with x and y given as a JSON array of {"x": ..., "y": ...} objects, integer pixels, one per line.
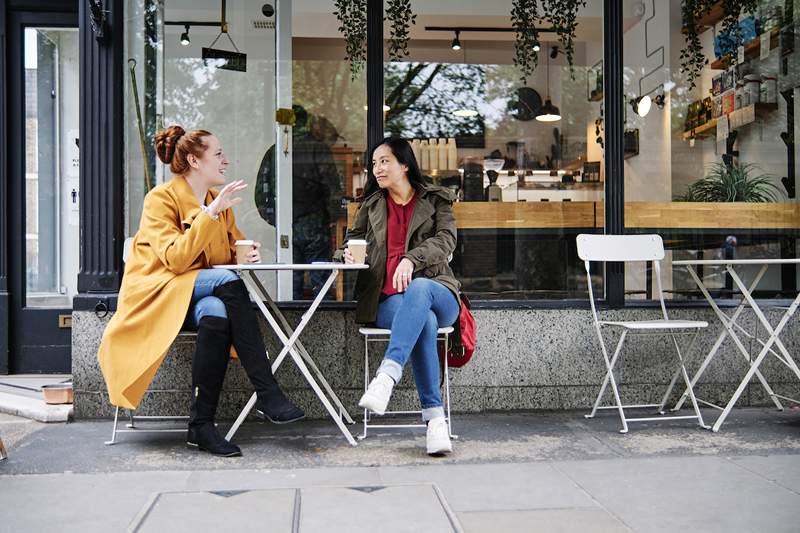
[
  {"x": 254, "y": 256},
  {"x": 403, "y": 274}
]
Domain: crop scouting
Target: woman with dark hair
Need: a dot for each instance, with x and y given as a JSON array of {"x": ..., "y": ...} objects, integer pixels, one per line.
[
  {"x": 409, "y": 286},
  {"x": 185, "y": 229}
]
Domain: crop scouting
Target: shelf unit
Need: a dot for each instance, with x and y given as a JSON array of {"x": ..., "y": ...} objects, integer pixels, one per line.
[
  {"x": 751, "y": 51},
  {"x": 710, "y": 19},
  {"x": 709, "y": 129}
]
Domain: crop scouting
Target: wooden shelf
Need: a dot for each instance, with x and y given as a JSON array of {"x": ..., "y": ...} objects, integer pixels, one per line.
[
  {"x": 638, "y": 215},
  {"x": 752, "y": 50},
  {"x": 706, "y": 130},
  {"x": 710, "y": 19}
]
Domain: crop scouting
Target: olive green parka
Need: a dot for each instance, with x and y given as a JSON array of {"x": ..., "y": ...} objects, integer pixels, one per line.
[{"x": 430, "y": 243}]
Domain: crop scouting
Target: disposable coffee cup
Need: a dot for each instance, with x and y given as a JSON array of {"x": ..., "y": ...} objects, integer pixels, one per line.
[
  {"x": 358, "y": 248},
  {"x": 242, "y": 249}
]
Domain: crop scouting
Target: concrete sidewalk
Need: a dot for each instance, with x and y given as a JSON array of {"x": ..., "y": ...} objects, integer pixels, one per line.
[{"x": 516, "y": 472}]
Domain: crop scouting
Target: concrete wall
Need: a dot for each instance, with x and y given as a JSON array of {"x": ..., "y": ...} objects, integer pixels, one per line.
[{"x": 526, "y": 359}]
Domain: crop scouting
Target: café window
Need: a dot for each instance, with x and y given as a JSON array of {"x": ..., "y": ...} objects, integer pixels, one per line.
[
  {"x": 524, "y": 156},
  {"x": 276, "y": 92},
  {"x": 710, "y": 153}
]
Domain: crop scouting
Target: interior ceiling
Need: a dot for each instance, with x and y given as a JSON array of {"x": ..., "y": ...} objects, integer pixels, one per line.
[{"x": 314, "y": 18}]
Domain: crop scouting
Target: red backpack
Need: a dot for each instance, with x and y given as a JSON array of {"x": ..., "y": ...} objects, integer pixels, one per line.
[{"x": 462, "y": 341}]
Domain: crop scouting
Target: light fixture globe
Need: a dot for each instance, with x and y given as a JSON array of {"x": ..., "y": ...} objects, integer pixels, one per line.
[
  {"x": 548, "y": 112},
  {"x": 185, "y": 37},
  {"x": 456, "y": 44},
  {"x": 642, "y": 105}
]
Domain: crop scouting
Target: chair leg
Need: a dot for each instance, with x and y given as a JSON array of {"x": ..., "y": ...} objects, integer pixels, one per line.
[
  {"x": 610, "y": 377},
  {"x": 366, "y": 384},
  {"x": 676, "y": 375},
  {"x": 688, "y": 380},
  {"x": 114, "y": 429},
  {"x": 447, "y": 388}
]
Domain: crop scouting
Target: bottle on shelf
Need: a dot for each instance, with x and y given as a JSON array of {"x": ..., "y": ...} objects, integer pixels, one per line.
[
  {"x": 433, "y": 155},
  {"x": 424, "y": 155},
  {"x": 452, "y": 154},
  {"x": 415, "y": 149},
  {"x": 441, "y": 152}
]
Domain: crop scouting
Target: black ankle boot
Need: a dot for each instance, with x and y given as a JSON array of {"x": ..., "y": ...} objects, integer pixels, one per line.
[
  {"x": 206, "y": 438},
  {"x": 211, "y": 355},
  {"x": 246, "y": 336}
]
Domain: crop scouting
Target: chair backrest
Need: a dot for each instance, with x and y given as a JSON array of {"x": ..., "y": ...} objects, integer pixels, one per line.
[
  {"x": 620, "y": 247},
  {"x": 126, "y": 249}
]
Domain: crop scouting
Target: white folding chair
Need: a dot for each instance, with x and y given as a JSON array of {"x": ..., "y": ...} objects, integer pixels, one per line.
[
  {"x": 636, "y": 248},
  {"x": 131, "y": 426},
  {"x": 373, "y": 335}
]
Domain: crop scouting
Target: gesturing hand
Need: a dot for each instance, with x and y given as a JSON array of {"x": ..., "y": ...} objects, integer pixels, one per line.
[
  {"x": 402, "y": 275},
  {"x": 226, "y": 198}
]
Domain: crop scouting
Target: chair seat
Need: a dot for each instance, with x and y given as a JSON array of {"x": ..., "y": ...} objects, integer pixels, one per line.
[
  {"x": 657, "y": 324},
  {"x": 379, "y": 331}
]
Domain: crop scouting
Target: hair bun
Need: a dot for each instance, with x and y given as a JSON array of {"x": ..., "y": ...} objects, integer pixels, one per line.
[{"x": 165, "y": 142}]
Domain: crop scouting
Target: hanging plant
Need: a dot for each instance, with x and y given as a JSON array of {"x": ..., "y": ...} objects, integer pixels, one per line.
[
  {"x": 564, "y": 16},
  {"x": 398, "y": 13},
  {"x": 352, "y": 17},
  {"x": 693, "y": 60},
  {"x": 524, "y": 14}
]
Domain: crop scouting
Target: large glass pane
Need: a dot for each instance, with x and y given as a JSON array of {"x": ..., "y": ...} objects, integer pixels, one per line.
[
  {"x": 51, "y": 166},
  {"x": 168, "y": 82},
  {"x": 526, "y": 186},
  {"x": 711, "y": 165}
]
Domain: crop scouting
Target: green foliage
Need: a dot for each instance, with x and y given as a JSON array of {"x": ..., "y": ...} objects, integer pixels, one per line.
[
  {"x": 398, "y": 13},
  {"x": 693, "y": 60},
  {"x": 732, "y": 183},
  {"x": 524, "y": 15},
  {"x": 352, "y": 17},
  {"x": 564, "y": 16}
]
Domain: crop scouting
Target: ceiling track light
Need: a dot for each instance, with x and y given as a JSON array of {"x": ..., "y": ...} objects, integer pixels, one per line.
[
  {"x": 185, "y": 36},
  {"x": 641, "y": 105},
  {"x": 456, "y": 44}
]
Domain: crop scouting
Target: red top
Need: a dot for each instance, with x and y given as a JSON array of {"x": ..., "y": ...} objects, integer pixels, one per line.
[{"x": 397, "y": 222}]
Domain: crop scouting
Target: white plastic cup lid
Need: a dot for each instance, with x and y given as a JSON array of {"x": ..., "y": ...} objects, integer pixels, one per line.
[
  {"x": 244, "y": 243},
  {"x": 357, "y": 242}
]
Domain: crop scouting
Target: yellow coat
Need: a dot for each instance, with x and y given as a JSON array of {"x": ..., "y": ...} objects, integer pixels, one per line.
[{"x": 175, "y": 240}]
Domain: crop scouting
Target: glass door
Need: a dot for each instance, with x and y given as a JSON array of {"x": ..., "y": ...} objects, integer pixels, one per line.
[{"x": 44, "y": 178}]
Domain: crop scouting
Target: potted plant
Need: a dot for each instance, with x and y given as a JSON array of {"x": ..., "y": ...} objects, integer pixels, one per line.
[
  {"x": 563, "y": 14},
  {"x": 734, "y": 183},
  {"x": 524, "y": 15}
]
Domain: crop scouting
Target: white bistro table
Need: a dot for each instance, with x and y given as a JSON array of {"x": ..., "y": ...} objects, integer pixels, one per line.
[
  {"x": 730, "y": 328},
  {"x": 290, "y": 338}
]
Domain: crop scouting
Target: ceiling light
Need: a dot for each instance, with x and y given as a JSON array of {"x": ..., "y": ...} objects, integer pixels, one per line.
[
  {"x": 554, "y": 52},
  {"x": 185, "y": 37},
  {"x": 456, "y": 44},
  {"x": 642, "y": 105},
  {"x": 548, "y": 112},
  {"x": 536, "y": 45},
  {"x": 465, "y": 113}
]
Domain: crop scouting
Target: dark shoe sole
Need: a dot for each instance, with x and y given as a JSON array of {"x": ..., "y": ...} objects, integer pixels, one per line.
[
  {"x": 193, "y": 446},
  {"x": 265, "y": 416}
]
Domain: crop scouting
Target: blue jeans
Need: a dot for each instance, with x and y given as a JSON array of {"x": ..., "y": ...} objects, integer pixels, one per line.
[
  {"x": 414, "y": 317},
  {"x": 204, "y": 303}
]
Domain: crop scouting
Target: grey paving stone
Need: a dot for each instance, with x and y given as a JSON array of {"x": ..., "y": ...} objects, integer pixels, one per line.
[
  {"x": 783, "y": 470},
  {"x": 671, "y": 494},
  {"x": 388, "y": 509},
  {"x": 235, "y": 510},
  {"x": 524, "y": 486},
  {"x": 542, "y": 521}
]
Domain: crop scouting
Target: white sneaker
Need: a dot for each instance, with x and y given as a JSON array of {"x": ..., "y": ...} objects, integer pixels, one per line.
[
  {"x": 438, "y": 437},
  {"x": 378, "y": 393}
]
